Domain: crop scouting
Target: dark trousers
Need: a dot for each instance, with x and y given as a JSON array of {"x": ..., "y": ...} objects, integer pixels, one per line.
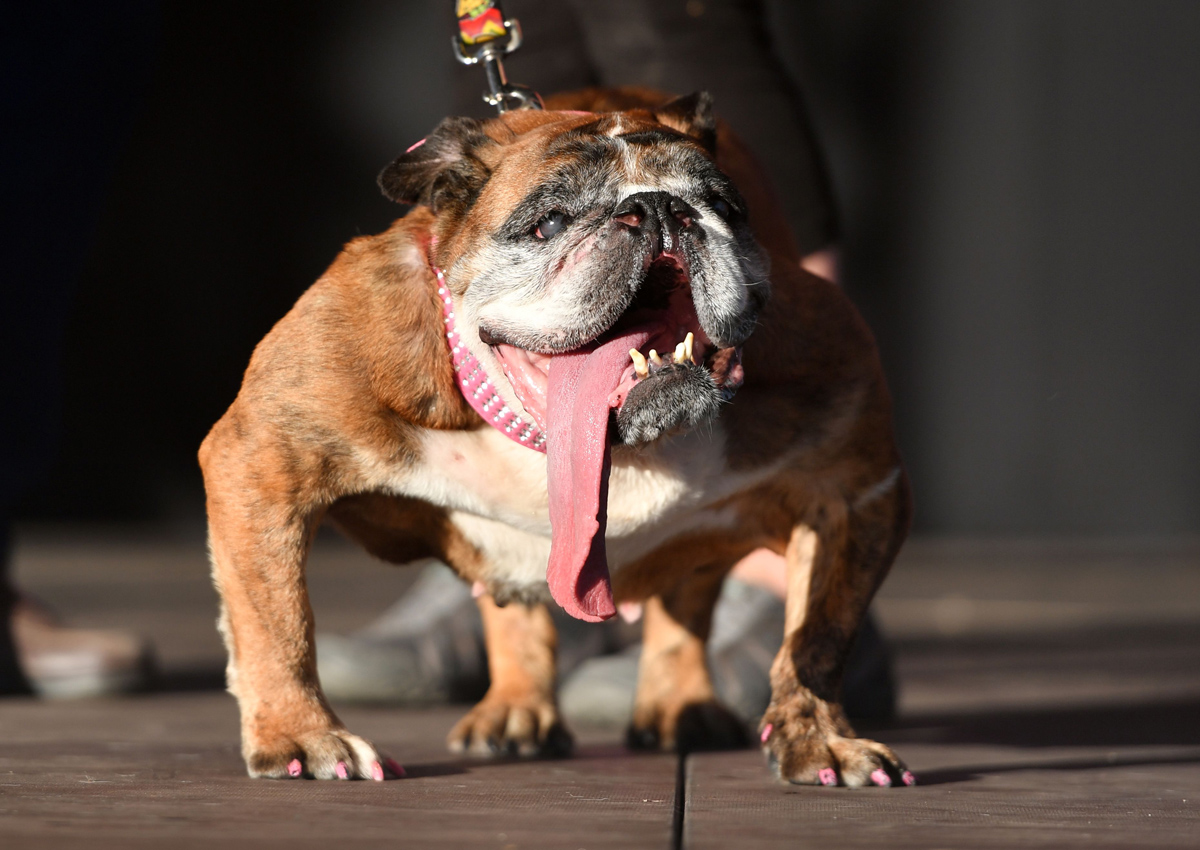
[
  {"x": 70, "y": 79},
  {"x": 723, "y": 47}
]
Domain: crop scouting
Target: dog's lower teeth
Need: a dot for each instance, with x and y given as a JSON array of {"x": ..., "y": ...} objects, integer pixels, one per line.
[
  {"x": 684, "y": 352},
  {"x": 639, "y": 363}
]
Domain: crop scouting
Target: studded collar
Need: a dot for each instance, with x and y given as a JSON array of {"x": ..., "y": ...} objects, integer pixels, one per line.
[{"x": 477, "y": 387}]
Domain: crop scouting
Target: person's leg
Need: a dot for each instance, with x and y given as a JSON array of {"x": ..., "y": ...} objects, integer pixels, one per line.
[
  {"x": 12, "y": 679},
  {"x": 426, "y": 648},
  {"x": 723, "y": 47},
  {"x": 70, "y": 79}
]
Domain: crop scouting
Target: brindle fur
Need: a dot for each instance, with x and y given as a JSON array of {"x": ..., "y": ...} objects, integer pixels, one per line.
[
  {"x": 340, "y": 392},
  {"x": 519, "y": 714}
]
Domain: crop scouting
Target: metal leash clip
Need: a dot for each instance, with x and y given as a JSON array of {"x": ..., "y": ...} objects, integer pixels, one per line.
[{"x": 485, "y": 35}]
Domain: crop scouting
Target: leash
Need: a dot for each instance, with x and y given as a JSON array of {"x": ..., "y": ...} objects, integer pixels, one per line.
[{"x": 484, "y": 36}]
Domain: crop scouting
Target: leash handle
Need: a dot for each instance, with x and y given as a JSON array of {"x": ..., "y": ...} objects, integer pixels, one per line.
[{"x": 484, "y": 36}]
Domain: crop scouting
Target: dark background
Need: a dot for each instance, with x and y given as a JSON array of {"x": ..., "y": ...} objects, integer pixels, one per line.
[{"x": 1019, "y": 187}]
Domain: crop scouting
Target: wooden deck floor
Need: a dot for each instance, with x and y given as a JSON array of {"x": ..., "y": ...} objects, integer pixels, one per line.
[{"x": 1051, "y": 698}]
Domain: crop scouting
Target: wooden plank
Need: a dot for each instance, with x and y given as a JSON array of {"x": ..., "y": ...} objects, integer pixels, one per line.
[
  {"x": 1032, "y": 722},
  {"x": 1058, "y": 740},
  {"x": 165, "y": 769},
  {"x": 970, "y": 797}
]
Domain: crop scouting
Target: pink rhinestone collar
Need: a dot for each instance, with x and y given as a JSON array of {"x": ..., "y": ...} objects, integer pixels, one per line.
[{"x": 477, "y": 388}]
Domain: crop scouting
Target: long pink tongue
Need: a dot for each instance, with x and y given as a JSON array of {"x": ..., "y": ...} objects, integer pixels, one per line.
[{"x": 577, "y": 452}]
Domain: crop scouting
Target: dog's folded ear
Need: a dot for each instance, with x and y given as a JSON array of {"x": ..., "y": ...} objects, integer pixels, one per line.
[
  {"x": 442, "y": 171},
  {"x": 692, "y": 115}
]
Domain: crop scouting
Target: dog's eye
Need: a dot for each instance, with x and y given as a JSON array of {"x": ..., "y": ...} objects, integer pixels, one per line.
[
  {"x": 721, "y": 207},
  {"x": 550, "y": 224}
]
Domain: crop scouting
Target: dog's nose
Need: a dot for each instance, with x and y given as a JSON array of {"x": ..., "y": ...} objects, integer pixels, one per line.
[{"x": 660, "y": 215}]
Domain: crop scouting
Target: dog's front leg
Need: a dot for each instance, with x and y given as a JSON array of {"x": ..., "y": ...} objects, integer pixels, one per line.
[
  {"x": 259, "y": 544},
  {"x": 519, "y": 714},
  {"x": 835, "y": 561},
  {"x": 675, "y": 706}
]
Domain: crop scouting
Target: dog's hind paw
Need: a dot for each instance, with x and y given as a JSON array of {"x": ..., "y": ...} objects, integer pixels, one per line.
[
  {"x": 326, "y": 754},
  {"x": 705, "y": 725},
  {"x": 496, "y": 727}
]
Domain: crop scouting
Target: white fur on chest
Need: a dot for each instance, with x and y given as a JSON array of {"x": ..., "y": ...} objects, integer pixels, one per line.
[
  {"x": 484, "y": 473},
  {"x": 496, "y": 492}
]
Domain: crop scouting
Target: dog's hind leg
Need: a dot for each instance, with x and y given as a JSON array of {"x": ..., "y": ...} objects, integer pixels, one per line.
[
  {"x": 519, "y": 714},
  {"x": 675, "y": 706},
  {"x": 836, "y": 557},
  {"x": 259, "y": 541}
]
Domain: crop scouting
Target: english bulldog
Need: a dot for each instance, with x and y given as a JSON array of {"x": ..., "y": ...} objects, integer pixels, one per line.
[{"x": 585, "y": 369}]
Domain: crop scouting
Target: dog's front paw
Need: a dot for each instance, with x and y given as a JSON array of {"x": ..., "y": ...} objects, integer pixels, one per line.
[
  {"x": 502, "y": 727},
  {"x": 687, "y": 727},
  {"x": 321, "y": 754},
  {"x": 807, "y": 742}
]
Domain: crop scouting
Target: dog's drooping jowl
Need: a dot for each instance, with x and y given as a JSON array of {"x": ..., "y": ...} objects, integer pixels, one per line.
[{"x": 585, "y": 369}]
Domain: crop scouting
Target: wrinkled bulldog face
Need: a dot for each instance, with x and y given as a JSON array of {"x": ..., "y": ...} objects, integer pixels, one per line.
[
  {"x": 590, "y": 229},
  {"x": 602, "y": 263}
]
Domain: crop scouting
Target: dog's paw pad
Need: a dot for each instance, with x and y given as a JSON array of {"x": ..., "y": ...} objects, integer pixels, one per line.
[
  {"x": 687, "y": 727},
  {"x": 827, "y": 776},
  {"x": 641, "y": 738},
  {"x": 709, "y": 726}
]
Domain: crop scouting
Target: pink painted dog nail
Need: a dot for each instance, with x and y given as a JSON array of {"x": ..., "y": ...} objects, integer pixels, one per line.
[
  {"x": 341, "y": 770},
  {"x": 908, "y": 778},
  {"x": 295, "y": 768},
  {"x": 394, "y": 767},
  {"x": 767, "y": 730},
  {"x": 377, "y": 771},
  {"x": 879, "y": 777},
  {"x": 827, "y": 776}
]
